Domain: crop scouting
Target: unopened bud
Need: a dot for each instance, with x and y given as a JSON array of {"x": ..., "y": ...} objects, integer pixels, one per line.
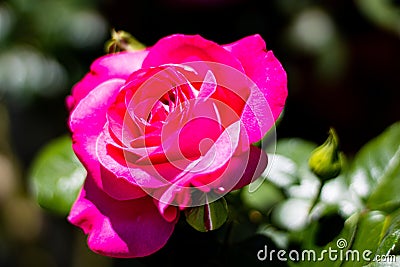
[
  {"x": 326, "y": 160},
  {"x": 209, "y": 216},
  {"x": 122, "y": 41}
]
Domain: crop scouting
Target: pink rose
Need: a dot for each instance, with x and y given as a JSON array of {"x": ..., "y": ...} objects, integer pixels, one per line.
[{"x": 168, "y": 128}]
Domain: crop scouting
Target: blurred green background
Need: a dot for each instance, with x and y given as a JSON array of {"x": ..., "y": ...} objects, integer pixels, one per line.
[{"x": 342, "y": 58}]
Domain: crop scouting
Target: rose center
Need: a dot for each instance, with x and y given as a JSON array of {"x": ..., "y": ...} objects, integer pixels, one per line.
[{"x": 205, "y": 145}]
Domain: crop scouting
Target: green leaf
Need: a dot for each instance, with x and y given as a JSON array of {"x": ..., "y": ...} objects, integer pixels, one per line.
[
  {"x": 387, "y": 253},
  {"x": 56, "y": 176},
  {"x": 375, "y": 174},
  {"x": 386, "y": 262},
  {"x": 209, "y": 216},
  {"x": 371, "y": 227},
  {"x": 365, "y": 236},
  {"x": 390, "y": 244},
  {"x": 384, "y": 13},
  {"x": 263, "y": 199}
]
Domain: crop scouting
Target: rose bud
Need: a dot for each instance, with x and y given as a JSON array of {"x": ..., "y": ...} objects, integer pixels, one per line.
[{"x": 326, "y": 161}]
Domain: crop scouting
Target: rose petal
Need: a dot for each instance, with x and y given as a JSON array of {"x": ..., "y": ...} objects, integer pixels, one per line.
[
  {"x": 235, "y": 174},
  {"x": 256, "y": 164},
  {"x": 119, "y": 65},
  {"x": 179, "y": 48},
  {"x": 208, "y": 87},
  {"x": 117, "y": 180},
  {"x": 121, "y": 229},
  {"x": 87, "y": 121},
  {"x": 121, "y": 126},
  {"x": 267, "y": 73},
  {"x": 220, "y": 152},
  {"x": 169, "y": 213},
  {"x": 206, "y": 166},
  {"x": 238, "y": 172}
]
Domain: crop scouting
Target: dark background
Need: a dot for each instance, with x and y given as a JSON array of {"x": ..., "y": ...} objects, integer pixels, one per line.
[
  {"x": 341, "y": 57},
  {"x": 357, "y": 95}
]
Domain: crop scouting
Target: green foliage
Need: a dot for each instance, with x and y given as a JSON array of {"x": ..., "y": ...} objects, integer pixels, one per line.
[
  {"x": 357, "y": 212},
  {"x": 377, "y": 166},
  {"x": 384, "y": 13},
  {"x": 56, "y": 176},
  {"x": 209, "y": 216}
]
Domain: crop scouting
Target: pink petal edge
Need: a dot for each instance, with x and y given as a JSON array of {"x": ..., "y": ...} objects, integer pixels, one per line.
[
  {"x": 180, "y": 48},
  {"x": 267, "y": 101},
  {"x": 118, "y": 65},
  {"x": 122, "y": 229}
]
